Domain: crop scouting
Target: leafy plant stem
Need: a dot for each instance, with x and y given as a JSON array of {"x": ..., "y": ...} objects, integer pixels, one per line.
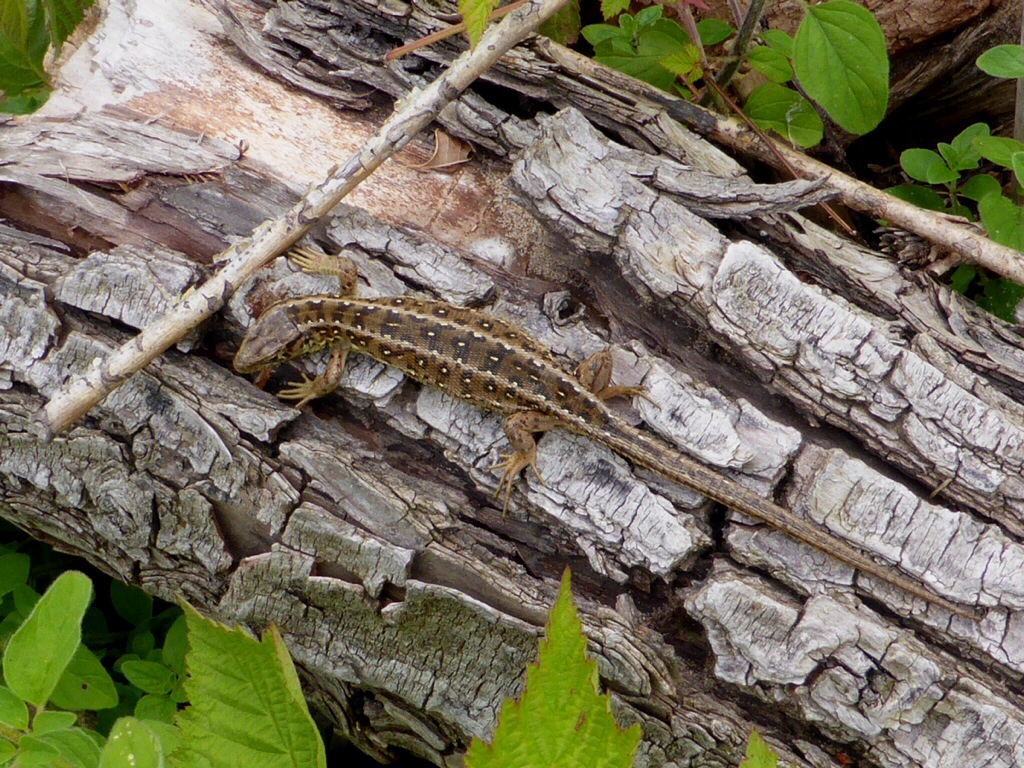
[
  {"x": 743, "y": 37},
  {"x": 444, "y": 34},
  {"x": 770, "y": 145}
]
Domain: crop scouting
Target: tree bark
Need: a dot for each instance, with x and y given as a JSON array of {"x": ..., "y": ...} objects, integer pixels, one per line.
[{"x": 852, "y": 389}]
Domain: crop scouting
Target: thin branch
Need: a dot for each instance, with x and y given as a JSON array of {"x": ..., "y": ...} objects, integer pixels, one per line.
[{"x": 272, "y": 237}]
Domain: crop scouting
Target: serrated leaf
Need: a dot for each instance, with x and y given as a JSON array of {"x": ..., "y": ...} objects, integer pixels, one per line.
[
  {"x": 927, "y": 166},
  {"x": 132, "y": 743},
  {"x": 684, "y": 63},
  {"x": 40, "y": 650},
  {"x": 13, "y": 571},
  {"x": 63, "y": 16},
  {"x": 612, "y": 8},
  {"x": 783, "y": 110},
  {"x": 564, "y": 26},
  {"x": 759, "y": 754},
  {"x": 713, "y": 31},
  {"x": 13, "y": 711},
  {"x": 771, "y": 64},
  {"x": 1003, "y": 220},
  {"x": 85, "y": 684},
  {"x": 77, "y": 746},
  {"x": 474, "y": 15},
  {"x": 561, "y": 721},
  {"x": 1003, "y": 61},
  {"x": 779, "y": 41},
  {"x": 981, "y": 186},
  {"x": 998, "y": 149},
  {"x": 841, "y": 61},
  {"x": 922, "y": 197},
  {"x": 246, "y": 705}
]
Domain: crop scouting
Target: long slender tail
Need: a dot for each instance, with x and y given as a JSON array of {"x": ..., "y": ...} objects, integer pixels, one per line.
[{"x": 651, "y": 453}]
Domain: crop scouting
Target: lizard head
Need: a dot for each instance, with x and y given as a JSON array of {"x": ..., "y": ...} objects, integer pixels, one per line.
[{"x": 270, "y": 340}]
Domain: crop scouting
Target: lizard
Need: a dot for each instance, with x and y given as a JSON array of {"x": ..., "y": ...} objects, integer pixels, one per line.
[{"x": 498, "y": 366}]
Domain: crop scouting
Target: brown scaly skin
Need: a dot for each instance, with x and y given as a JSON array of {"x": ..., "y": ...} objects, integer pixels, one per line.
[{"x": 497, "y": 366}]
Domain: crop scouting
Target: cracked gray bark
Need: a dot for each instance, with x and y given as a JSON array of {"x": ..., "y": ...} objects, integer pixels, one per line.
[{"x": 365, "y": 529}]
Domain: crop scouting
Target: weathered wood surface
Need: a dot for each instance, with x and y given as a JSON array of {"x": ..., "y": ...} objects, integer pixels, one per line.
[{"x": 817, "y": 371}]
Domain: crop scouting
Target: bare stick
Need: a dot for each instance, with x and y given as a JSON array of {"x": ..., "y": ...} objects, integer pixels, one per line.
[{"x": 272, "y": 237}]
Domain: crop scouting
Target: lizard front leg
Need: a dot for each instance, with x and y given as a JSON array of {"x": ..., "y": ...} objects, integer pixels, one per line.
[
  {"x": 316, "y": 263},
  {"x": 595, "y": 373},
  {"x": 520, "y": 429},
  {"x": 310, "y": 389}
]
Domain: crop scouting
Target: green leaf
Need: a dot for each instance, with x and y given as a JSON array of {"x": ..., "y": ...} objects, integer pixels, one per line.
[
  {"x": 963, "y": 144},
  {"x": 684, "y": 63},
  {"x": 1017, "y": 163},
  {"x": 612, "y": 8},
  {"x": 841, "y": 61},
  {"x": 13, "y": 711},
  {"x": 23, "y": 43},
  {"x": 564, "y": 26},
  {"x": 131, "y": 603},
  {"x": 133, "y": 743},
  {"x": 7, "y": 752},
  {"x": 979, "y": 187},
  {"x": 149, "y": 676},
  {"x": 759, "y": 754},
  {"x": 648, "y": 16},
  {"x": 151, "y": 707},
  {"x": 1003, "y": 221},
  {"x": 561, "y": 721},
  {"x": 770, "y": 63},
  {"x": 922, "y": 197},
  {"x": 40, "y": 650},
  {"x": 85, "y": 684},
  {"x": 175, "y": 644},
  {"x": 25, "y": 599},
  {"x": 962, "y": 277},
  {"x": 76, "y": 745},
  {"x": 13, "y": 572},
  {"x": 63, "y": 17},
  {"x": 47, "y": 721},
  {"x": 1003, "y": 61},
  {"x": 35, "y": 752},
  {"x": 778, "y": 40},
  {"x": 653, "y": 43},
  {"x": 783, "y": 110},
  {"x": 247, "y": 706},
  {"x": 957, "y": 160},
  {"x": 474, "y": 15},
  {"x": 998, "y": 149},
  {"x": 713, "y": 31},
  {"x": 927, "y": 166},
  {"x": 1001, "y": 297}
]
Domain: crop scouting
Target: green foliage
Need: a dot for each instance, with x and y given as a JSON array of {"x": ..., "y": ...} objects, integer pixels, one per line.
[
  {"x": 246, "y": 703},
  {"x": 783, "y": 110},
  {"x": 561, "y": 721},
  {"x": 28, "y": 28},
  {"x": 841, "y": 61},
  {"x": 1003, "y": 61},
  {"x": 474, "y": 15},
  {"x": 564, "y": 26},
  {"x": 759, "y": 754}
]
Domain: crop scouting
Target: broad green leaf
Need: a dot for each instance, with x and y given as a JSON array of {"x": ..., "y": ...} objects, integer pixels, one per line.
[
  {"x": 599, "y": 34},
  {"x": 25, "y": 599},
  {"x": 1001, "y": 297},
  {"x": 841, "y": 61},
  {"x": 149, "y": 676},
  {"x": 474, "y": 15},
  {"x": 85, "y": 684},
  {"x": 13, "y": 711},
  {"x": 648, "y": 16},
  {"x": 76, "y": 745},
  {"x": 653, "y": 43},
  {"x": 35, "y": 752},
  {"x": 564, "y": 26},
  {"x": 7, "y": 752},
  {"x": 927, "y": 166},
  {"x": 998, "y": 149},
  {"x": 40, "y": 650},
  {"x": 246, "y": 704},
  {"x": 1003, "y": 61},
  {"x": 13, "y": 571},
  {"x": 152, "y": 707},
  {"x": 133, "y": 743},
  {"x": 64, "y": 16},
  {"x": 612, "y": 8},
  {"x": 783, "y": 110},
  {"x": 131, "y": 603},
  {"x": 771, "y": 64},
  {"x": 978, "y": 187},
  {"x": 684, "y": 63},
  {"x": 48, "y": 720},
  {"x": 169, "y": 735},
  {"x": 175, "y": 644},
  {"x": 962, "y": 277},
  {"x": 957, "y": 160},
  {"x": 1003, "y": 221},
  {"x": 759, "y": 754},
  {"x": 922, "y": 197},
  {"x": 561, "y": 721},
  {"x": 713, "y": 31},
  {"x": 779, "y": 41},
  {"x": 963, "y": 143},
  {"x": 1017, "y": 162},
  {"x": 23, "y": 43},
  {"x": 142, "y": 643}
]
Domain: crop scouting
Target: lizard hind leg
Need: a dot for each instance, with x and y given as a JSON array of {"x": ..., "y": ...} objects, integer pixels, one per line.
[
  {"x": 595, "y": 373},
  {"x": 316, "y": 263},
  {"x": 520, "y": 428}
]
